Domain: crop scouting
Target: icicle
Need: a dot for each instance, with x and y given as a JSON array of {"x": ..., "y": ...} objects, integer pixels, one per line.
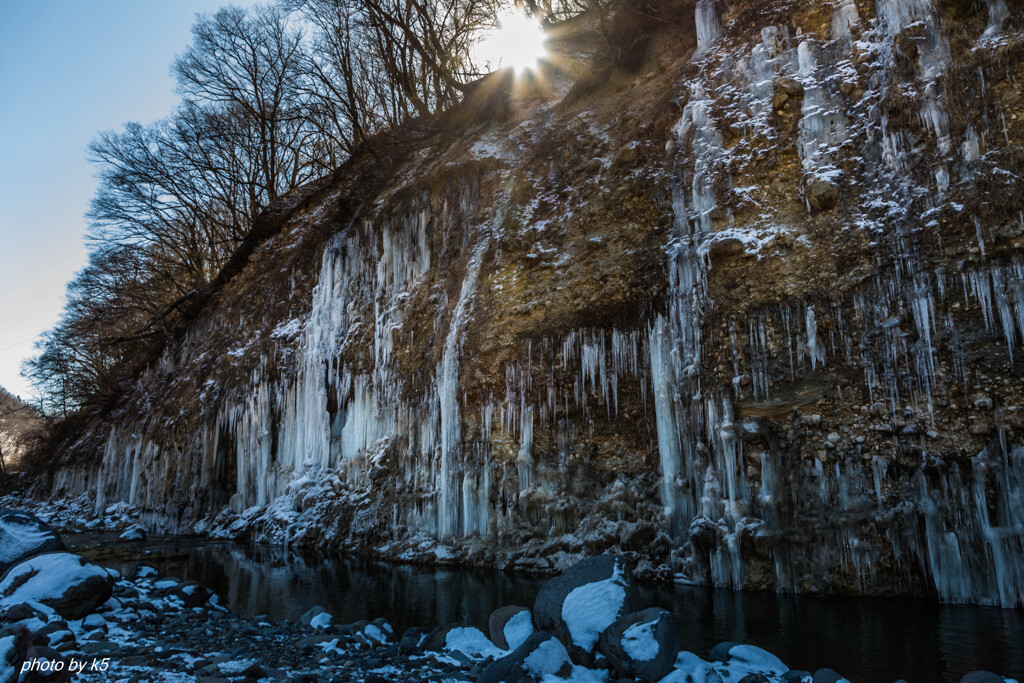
[
  {"x": 447, "y": 392},
  {"x": 844, "y": 17},
  {"x": 815, "y": 352},
  {"x": 708, "y": 27}
]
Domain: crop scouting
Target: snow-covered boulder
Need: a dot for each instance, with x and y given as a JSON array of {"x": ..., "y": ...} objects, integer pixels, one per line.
[
  {"x": 23, "y": 535},
  {"x": 584, "y": 600},
  {"x": 65, "y": 582},
  {"x": 471, "y": 642},
  {"x": 689, "y": 668},
  {"x": 642, "y": 645},
  {"x": 749, "y": 658},
  {"x": 510, "y": 626},
  {"x": 461, "y": 638},
  {"x": 541, "y": 655}
]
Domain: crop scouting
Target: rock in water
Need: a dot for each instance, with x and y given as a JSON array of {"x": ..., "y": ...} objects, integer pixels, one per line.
[
  {"x": 23, "y": 535},
  {"x": 539, "y": 656},
  {"x": 63, "y": 581},
  {"x": 510, "y": 626},
  {"x": 133, "y": 533},
  {"x": 830, "y": 676},
  {"x": 642, "y": 645},
  {"x": 585, "y": 600}
]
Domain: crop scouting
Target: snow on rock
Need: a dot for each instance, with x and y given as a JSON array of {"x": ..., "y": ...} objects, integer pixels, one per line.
[
  {"x": 471, "y": 642},
  {"x": 642, "y": 645},
  {"x": 759, "y": 660},
  {"x": 315, "y": 613},
  {"x": 8, "y": 672},
  {"x": 322, "y": 620},
  {"x": 585, "y": 599},
  {"x": 518, "y": 629},
  {"x": 690, "y": 668},
  {"x": 540, "y": 657},
  {"x": 510, "y": 626},
  {"x": 63, "y": 581},
  {"x": 133, "y": 533},
  {"x": 23, "y": 535}
]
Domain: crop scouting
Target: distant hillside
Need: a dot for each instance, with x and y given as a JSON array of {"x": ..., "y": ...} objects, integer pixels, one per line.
[{"x": 17, "y": 422}]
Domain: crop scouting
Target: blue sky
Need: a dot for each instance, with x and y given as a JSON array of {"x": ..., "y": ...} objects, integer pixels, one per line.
[{"x": 68, "y": 69}]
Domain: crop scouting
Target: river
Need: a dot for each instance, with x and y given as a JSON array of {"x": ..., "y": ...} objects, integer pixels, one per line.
[{"x": 868, "y": 640}]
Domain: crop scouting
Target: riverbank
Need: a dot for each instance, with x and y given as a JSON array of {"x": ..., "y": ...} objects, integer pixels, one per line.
[{"x": 855, "y": 637}]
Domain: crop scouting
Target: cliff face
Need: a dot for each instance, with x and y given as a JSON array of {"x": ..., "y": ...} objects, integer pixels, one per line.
[{"x": 753, "y": 314}]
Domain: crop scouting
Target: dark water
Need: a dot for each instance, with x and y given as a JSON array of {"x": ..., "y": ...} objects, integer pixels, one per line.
[{"x": 868, "y": 640}]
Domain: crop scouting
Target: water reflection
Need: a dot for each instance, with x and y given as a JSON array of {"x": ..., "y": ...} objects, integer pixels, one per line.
[{"x": 866, "y": 639}]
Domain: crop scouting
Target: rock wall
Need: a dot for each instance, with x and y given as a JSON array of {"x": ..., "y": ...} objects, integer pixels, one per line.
[{"x": 752, "y": 315}]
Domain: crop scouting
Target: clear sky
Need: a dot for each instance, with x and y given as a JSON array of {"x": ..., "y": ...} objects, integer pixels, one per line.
[{"x": 68, "y": 69}]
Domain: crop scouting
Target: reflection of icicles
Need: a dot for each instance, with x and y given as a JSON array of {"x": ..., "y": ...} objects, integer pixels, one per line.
[{"x": 709, "y": 29}]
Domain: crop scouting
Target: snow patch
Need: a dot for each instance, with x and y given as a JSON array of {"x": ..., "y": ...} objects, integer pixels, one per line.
[
  {"x": 472, "y": 643},
  {"x": 589, "y": 609},
  {"x": 639, "y": 642},
  {"x": 518, "y": 629}
]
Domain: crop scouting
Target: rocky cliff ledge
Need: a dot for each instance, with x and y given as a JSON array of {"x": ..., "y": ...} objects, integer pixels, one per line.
[{"x": 751, "y": 314}]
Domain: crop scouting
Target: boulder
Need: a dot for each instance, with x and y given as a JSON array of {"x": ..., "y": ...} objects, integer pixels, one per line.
[
  {"x": 434, "y": 641},
  {"x": 510, "y": 626},
  {"x": 20, "y": 612},
  {"x": 471, "y": 642},
  {"x": 796, "y": 676},
  {"x": 583, "y": 601},
  {"x": 830, "y": 676},
  {"x": 65, "y": 582},
  {"x": 133, "y": 533},
  {"x": 192, "y": 594},
  {"x": 411, "y": 639},
  {"x": 316, "y": 617},
  {"x": 642, "y": 645},
  {"x": 689, "y": 668},
  {"x": 980, "y": 677},
  {"x": 720, "y": 652},
  {"x": 539, "y": 656},
  {"x": 752, "y": 658},
  {"x": 23, "y": 535}
]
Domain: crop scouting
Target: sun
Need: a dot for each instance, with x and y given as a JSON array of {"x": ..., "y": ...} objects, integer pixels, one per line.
[{"x": 517, "y": 41}]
